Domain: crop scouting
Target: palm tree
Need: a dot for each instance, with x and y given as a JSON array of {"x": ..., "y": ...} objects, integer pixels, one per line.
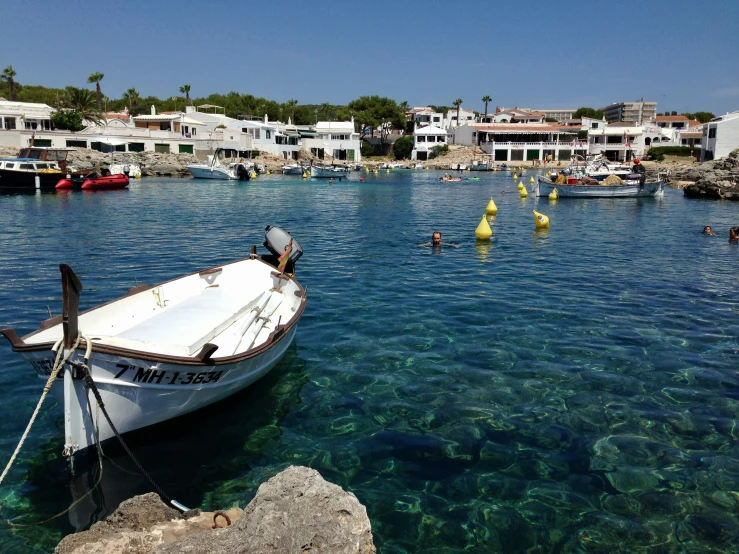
[
  {"x": 326, "y": 107},
  {"x": 185, "y": 89},
  {"x": 486, "y": 99},
  {"x": 458, "y": 103},
  {"x": 83, "y": 101},
  {"x": 8, "y": 74},
  {"x": 290, "y": 104},
  {"x": 131, "y": 95},
  {"x": 96, "y": 78}
]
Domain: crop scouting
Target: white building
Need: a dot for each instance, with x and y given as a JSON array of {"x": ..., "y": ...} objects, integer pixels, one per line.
[
  {"x": 424, "y": 140},
  {"x": 720, "y": 136},
  {"x": 24, "y": 115},
  {"x": 337, "y": 139},
  {"x": 507, "y": 142},
  {"x": 623, "y": 142},
  {"x": 514, "y": 115},
  {"x": 426, "y": 116},
  {"x": 465, "y": 116},
  {"x": 672, "y": 121}
]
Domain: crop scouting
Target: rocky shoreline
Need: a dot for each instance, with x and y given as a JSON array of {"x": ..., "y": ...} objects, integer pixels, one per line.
[
  {"x": 716, "y": 180},
  {"x": 294, "y": 511}
]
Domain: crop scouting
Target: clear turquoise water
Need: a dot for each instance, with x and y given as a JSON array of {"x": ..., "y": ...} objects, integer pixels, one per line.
[{"x": 569, "y": 390}]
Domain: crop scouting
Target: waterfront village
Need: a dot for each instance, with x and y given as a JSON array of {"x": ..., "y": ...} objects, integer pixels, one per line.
[{"x": 453, "y": 138}]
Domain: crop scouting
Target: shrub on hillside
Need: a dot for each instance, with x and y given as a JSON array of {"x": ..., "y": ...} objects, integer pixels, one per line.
[
  {"x": 67, "y": 120},
  {"x": 438, "y": 150},
  {"x": 367, "y": 149},
  {"x": 658, "y": 153},
  {"x": 403, "y": 147}
]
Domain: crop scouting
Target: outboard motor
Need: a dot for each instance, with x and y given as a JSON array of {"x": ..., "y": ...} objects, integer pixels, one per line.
[
  {"x": 276, "y": 241},
  {"x": 126, "y": 170},
  {"x": 242, "y": 172}
]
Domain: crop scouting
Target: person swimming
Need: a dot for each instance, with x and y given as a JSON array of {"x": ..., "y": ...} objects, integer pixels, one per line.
[
  {"x": 436, "y": 241},
  {"x": 708, "y": 231}
]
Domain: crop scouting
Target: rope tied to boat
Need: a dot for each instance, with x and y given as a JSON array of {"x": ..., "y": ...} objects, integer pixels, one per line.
[{"x": 61, "y": 359}]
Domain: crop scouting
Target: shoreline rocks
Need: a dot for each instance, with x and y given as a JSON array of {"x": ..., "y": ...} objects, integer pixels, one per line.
[
  {"x": 717, "y": 179},
  {"x": 294, "y": 511}
]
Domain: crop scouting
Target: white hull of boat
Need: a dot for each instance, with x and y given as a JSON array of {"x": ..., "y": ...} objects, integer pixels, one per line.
[
  {"x": 649, "y": 189},
  {"x": 327, "y": 172},
  {"x": 204, "y": 171},
  {"x": 164, "y": 351},
  {"x": 134, "y": 170},
  {"x": 292, "y": 170},
  {"x": 146, "y": 393}
]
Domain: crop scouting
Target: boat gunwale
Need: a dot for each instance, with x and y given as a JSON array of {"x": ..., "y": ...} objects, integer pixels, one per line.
[{"x": 19, "y": 345}]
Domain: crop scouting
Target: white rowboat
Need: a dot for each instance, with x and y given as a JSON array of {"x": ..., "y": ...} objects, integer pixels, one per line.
[
  {"x": 163, "y": 351},
  {"x": 627, "y": 189}
]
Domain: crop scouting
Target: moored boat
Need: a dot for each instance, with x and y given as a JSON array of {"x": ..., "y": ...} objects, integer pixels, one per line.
[
  {"x": 166, "y": 350},
  {"x": 292, "y": 169},
  {"x": 590, "y": 188},
  {"x": 328, "y": 171},
  {"x": 214, "y": 169}
]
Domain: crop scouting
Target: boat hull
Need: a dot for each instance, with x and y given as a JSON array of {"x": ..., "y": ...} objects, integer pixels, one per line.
[
  {"x": 292, "y": 170},
  {"x": 216, "y": 173},
  {"x": 327, "y": 173},
  {"x": 111, "y": 182},
  {"x": 138, "y": 393},
  {"x": 649, "y": 189},
  {"x": 26, "y": 180}
]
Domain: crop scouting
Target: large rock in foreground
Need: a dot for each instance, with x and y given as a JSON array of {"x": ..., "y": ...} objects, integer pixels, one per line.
[
  {"x": 295, "y": 511},
  {"x": 718, "y": 179}
]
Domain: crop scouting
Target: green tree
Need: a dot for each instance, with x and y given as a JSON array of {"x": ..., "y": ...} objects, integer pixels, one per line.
[
  {"x": 458, "y": 104},
  {"x": 185, "y": 89},
  {"x": 440, "y": 109},
  {"x": 486, "y": 99},
  {"x": 83, "y": 101},
  {"x": 703, "y": 117},
  {"x": 290, "y": 106},
  {"x": 9, "y": 76},
  {"x": 403, "y": 147},
  {"x": 131, "y": 96},
  {"x": 588, "y": 112},
  {"x": 96, "y": 78},
  {"x": 326, "y": 108},
  {"x": 551, "y": 119},
  {"x": 67, "y": 120}
]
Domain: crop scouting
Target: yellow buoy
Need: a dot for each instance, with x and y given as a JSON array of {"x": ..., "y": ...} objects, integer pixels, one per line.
[
  {"x": 305, "y": 175},
  {"x": 387, "y": 171},
  {"x": 523, "y": 192},
  {"x": 520, "y": 185},
  {"x": 468, "y": 169},
  {"x": 553, "y": 195},
  {"x": 491, "y": 208},
  {"x": 540, "y": 220},
  {"x": 253, "y": 175},
  {"x": 483, "y": 231},
  {"x": 531, "y": 180},
  {"x": 515, "y": 176},
  {"x": 269, "y": 172}
]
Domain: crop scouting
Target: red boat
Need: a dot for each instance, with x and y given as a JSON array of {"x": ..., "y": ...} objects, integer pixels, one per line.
[
  {"x": 110, "y": 182},
  {"x": 106, "y": 183}
]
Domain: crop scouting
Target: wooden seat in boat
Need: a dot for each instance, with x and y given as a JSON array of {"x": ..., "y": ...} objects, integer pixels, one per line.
[{"x": 183, "y": 329}]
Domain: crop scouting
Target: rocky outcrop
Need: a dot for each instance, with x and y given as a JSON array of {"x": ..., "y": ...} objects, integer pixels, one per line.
[
  {"x": 717, "y": 179},
  {"x": 295, "y": 511}
]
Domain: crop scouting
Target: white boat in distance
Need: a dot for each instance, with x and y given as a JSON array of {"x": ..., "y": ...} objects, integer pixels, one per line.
[
  {"x": 133, "y": 170},
  {"x": 292, "y": 169},
  {"x": 165, "y": 350},
  {"x": 328, "y": 171},
  {"x": 628, "y": 188},
  {"x": 213, "y": 169}
]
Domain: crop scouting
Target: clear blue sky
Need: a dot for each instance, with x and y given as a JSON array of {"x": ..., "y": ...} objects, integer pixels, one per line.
[{"x": 539, "y": 54}]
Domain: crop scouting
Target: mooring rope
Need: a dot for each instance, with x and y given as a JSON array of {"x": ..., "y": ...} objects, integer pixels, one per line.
[
  {"x": 54, "y": 372},
  {"x": 58, "y": 365}
]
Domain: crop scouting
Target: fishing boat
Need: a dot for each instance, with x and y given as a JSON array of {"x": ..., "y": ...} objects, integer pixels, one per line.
[
  {"x": 328, "y": 171},
  {"x": 214, "y": 169},
  {"x": 166, "y": 350},
  {"x": 631, "y": 186},
  {"x": 292, "y": 169}
]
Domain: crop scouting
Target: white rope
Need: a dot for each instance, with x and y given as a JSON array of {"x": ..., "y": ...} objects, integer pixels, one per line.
[{"x": 57, "y": 367}]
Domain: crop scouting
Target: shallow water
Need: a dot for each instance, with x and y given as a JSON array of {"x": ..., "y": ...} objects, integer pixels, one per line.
[{"x": 569, "y": 390}]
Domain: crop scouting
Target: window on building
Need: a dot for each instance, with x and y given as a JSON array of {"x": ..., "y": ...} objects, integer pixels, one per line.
[
  {"x": 268, "y": 134},
  {"x": 712, "y": 132},
  {"x": 420, "y": 138},
  {"x": 431, "y": 138},
  {"x": 10, "y": 123},
  {"x": 440, "y": 139},
  {"x": 594, "y": 125},
  {"x": 76, "y": 144},
  {"x": 257, "y": 134},
  {"x": 613, "y": 140},
  {"x": 135, "y": 146}
]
